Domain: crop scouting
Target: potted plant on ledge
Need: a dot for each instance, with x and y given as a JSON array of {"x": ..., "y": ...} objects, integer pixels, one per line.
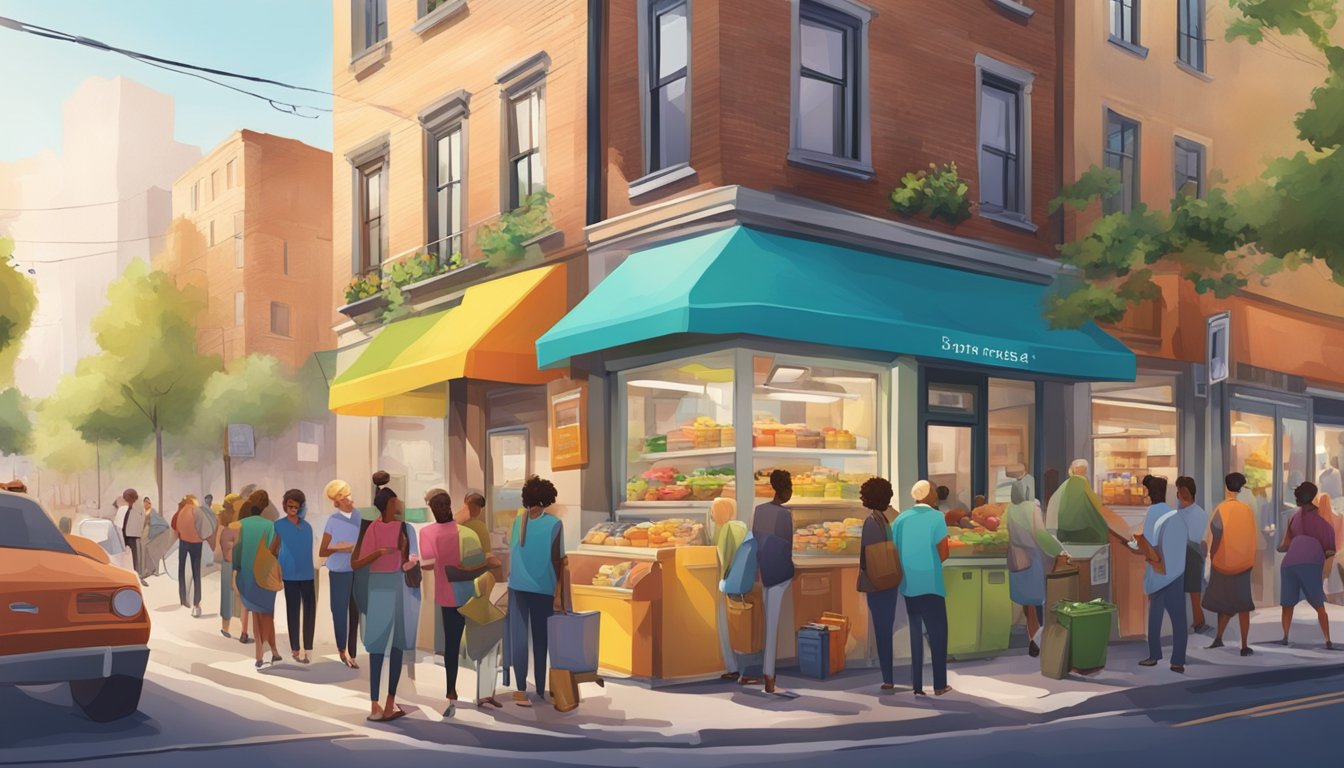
[{"x": 364, "y": 295}]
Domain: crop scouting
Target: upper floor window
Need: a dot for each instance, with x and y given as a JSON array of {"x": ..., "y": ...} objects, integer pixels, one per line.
[
  {"x": 1000, "y": 145},
  {"x": 214, "y": 185},
  {"x": 372, "y": 236},
  {"x": 668, "y": 126},
  {"x": 231, "y": 173},
  {"x": 1125, "y": 21},
  {"x": 211, "y": 240},
  {"x": 238, "y": 307},
  {"x": 238, "y": 239},
  {"x": 1190, "y": 33},
  {"x": 195, "y": 196},
  {"x": 1189, "y": 168},
  {"x": 279, "y": 319},
  {"x": 369, "y": 23},
  {"x": 1122, "y": 155},
  {"x": 829, "y": 125},
  {"x": 445, "y": 224},
  {"x": 284, "y": 256},
  {"x": 527, "y": 173}
]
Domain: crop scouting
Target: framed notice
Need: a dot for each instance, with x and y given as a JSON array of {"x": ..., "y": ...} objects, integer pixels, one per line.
[
  {"x": 1218, "y": 349},
  {"x": 569, "y": 422}
]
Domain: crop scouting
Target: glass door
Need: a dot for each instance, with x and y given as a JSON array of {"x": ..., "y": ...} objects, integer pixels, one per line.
[
  {"x": 950, "y": 461},
  {"x": 507, "y": 468}
]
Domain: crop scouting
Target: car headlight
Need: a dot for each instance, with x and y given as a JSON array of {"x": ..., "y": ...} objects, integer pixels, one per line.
[{"x": 127, "y": 603}]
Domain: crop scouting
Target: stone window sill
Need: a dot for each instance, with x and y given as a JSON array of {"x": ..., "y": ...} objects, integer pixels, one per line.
[
  {"x": 1189, "y": 70},
  {"x": 1128, "y": 47},
  {"x": 370, "y": 58},
  {"x": 1015, "y": 220},
  {"x": 839, "y": 166},
  {"x": 1015, "y": 8},
  {"x": 438, "y": 16},
  {"x": 660, "y": 179}
]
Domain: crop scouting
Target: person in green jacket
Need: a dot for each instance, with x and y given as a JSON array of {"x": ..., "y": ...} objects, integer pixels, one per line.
[{"x": 729, "y": 533}]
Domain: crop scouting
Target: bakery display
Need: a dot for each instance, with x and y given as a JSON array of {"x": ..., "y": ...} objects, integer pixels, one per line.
[{"x": 650, "y": 534}]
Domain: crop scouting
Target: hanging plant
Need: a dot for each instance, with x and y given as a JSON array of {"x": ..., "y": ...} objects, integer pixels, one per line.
[
  {"x": 504, "y": 242},
  {"x": 938, "y": 193}
]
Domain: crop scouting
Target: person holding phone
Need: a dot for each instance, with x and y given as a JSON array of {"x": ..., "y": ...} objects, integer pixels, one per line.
[{"x": 1167, "y": 535}]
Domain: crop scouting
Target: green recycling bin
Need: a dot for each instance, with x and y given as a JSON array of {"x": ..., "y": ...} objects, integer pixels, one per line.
[{"x": 1089, "y": 626}]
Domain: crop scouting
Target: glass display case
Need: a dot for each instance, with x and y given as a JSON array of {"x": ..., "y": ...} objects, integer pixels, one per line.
[
  {"x": 637, "y": 534},
  {"x": 1134, "y": 433}
]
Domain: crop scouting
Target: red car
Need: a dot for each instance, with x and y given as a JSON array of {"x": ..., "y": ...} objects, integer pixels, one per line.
[{"x": 68, "y": 615}]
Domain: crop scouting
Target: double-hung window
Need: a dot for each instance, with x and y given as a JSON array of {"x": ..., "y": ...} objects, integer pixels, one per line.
[
  {"x": 371, "y": 230},
  {"x": 668, "y": 129},
  {"x": 370, "y": 23},
  {"x": 1190, "y": 33},
  {"x": 1125, "y": 21},
  {"x": 828, "y": 100},
  {"x": 527, "y": 173},
  {"x": 446, "y": 226},
  {"x": 1188, "y": 157},
  {"x": 1000, "y": 145},
  {"x": 1122, "y": 156}
]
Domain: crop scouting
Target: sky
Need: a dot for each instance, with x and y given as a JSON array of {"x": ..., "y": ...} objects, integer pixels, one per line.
[{"x": 286, "y": 40}]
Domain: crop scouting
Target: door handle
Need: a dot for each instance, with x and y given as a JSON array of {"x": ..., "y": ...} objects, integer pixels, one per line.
[{"x": 23, "y": 608}]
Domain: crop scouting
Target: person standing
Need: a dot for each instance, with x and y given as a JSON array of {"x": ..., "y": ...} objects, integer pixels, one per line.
[
  {"x": 472, "y": 515},
  {"x": 1332, "y": 484},
  {"x": 1232, "y": 551},
  {"x": 920, "y": 534},
  {"x": 1164, "y": 579},
  {"x": 145, "y": 535},
  {"x": 1030, "y": 548},
  {"x": 226, "y": 536},
  {"x": 876, "y": 495},
  {"x": 1309, "y": 545},
  {"x": 132, "y": 528},
  {"x": 338, "y": 541},
  {"x": 536, "y": 575},
  {"x": 482, "y": 639},
  {"x": 385, "y": 551},
  {"x": 1197, "y": 523},
  {"x": 772, "y": 527},
  {"x": 729, "y": 533},
  {"x": 256, "y": 532},
  {"x": 189, "y": 546},
  {"x": 296, "y": 568},
  {"x": 441, "y": 549}
]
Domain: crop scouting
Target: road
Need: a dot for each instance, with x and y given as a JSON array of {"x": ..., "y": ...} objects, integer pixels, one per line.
[{"x": 187, "y": 720}]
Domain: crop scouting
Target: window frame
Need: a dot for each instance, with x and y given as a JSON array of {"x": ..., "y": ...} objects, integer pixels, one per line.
[
  {"x": 211, "y": 238},
  {"x": 284, "y": 256},
  {"x": 371, "y": 156},
  {"x": 214, "y": 185},
  {"x": 364, "y": 38},
  {"x": 363, "y": 218},
  {"x": 1135, "y": 196},
  {"x": 854, "y": 19},
  {"x": 1191, "y": 45},
  {"x": 1007, "y": 77},
  {"x": 653, "y": 83},
  {"x": 455, "y": 188},
  {"x": 287, "y": 313},
  {"x": 1118, "y": 10},
  {"x": 238, "y": 222},
  {"x": 1200, "y": 151},
  {"x": 523, "y": 80},
  {"x": 196, "y": 196},
  {"x": 239, "y": 309},
  {"x": 231, "y": 173}
]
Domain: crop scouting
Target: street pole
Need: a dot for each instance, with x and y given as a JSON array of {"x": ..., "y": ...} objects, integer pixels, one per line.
[
  {"x": 228, "y": 465},
  {"x": 98, "y": 458}
]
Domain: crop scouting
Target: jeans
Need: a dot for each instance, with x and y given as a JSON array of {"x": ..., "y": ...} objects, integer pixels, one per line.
[
  {"x": 928, "y": 613},
  {"x": 529, "y": 608},
  {"x": 1171, "y": 601},
  {"x": 726, "y": 647},
  {"x": 376, "y": 672},
  {"x": 185, "y": 550},
  {"x": 774, "y": 604},
  {"x": 882, "y": 606},
  {"x": 301, "y": 594},
  {"x": 344, "y": 611},
  {"x": 454, "y": 624}
]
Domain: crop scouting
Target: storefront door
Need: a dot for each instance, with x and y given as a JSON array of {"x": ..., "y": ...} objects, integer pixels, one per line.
[{"x": 506, "y": 469}]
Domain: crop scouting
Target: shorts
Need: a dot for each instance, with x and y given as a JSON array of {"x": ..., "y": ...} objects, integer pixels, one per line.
[
  {"x": 1194, "y": 571},
  {"x": 1229, "y": 593},
  {"x": 1301, "y": 582}
]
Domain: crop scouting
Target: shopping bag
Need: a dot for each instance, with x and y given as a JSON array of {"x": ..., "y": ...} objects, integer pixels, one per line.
[
  {"x": 266, "y": 569},
  {"x": 746, "y": 624},
  {"x": 1055, "y": 651},
  {"x": 573, "y": 640},
  {"x": 479, "y": 609},
  {"x": 881, "y": 561}
]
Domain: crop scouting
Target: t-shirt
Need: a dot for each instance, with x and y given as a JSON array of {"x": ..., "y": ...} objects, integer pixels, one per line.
[
  {"x": 185, "y": 525},
  {"x": 917, "y": 532},
  {"x": 440, "y": 544},
  {"x": 1196, "y": 522},
  {"x": 343, "y": 529},
  {"x": 1169, "y": 535},
  {"x": 382, "y": 534},
  {"x": 296, "y": 550},
  {"x": 532, "y": 564},
  {"x": 252, "y": 532},
  {"x": 1312, "y": 538}
]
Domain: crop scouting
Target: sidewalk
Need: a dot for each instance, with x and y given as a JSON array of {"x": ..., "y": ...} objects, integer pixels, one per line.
[{"x": 1005, "y": 691}]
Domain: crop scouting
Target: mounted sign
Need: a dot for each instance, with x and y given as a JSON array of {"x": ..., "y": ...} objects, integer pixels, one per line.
[
  {"x": 242, "y": 444},
  {"x": 568, "y": 420},
  {"x": 1218, "y": 348}
]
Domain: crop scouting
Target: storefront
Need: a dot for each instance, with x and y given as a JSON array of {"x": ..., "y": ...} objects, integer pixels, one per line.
[{"x": 730, "y": 354}]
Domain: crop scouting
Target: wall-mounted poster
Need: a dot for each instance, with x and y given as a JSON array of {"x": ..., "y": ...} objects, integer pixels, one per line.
[{"x": 568, "y": 422}]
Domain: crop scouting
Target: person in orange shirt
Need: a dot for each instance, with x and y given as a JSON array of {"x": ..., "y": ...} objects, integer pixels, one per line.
[
  {"x": 188, "y": 546},
  {"x": 1234, "y": 543}
]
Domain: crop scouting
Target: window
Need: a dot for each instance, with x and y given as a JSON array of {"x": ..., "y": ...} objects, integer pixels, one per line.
[
  {"x": 1134, "y": 433},
  {"x": 828, "y": 81},
  {"x": 214, "y": 185},
  {"x": 195, "y": 196},
  {"x": 1000, "y": 145},
  {"x": 372, "y": 238},
  {"x": 1190, "y": 33},
  {"x": 238, "y": 308},
  {"x": 1189, "y": 166},
  {"x": 238, "y": 239},
  {"x": 370, "y": 23},
  {"x": 445, "y": 167},
  {"x": 212, "y": 232},
  {"x": 284, "y": 255},
  {"x": 1125, "y": 21},
  {"x": 526, "y": 170},
  {"x": 1122, "y": 155},
  {"x": 668, "y": 126},
  {"x": 279, "y": 319},
  {"x": 231, "y": 173}
]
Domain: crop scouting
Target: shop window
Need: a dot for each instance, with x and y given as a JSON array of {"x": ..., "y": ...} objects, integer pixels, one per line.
[
  {"x": 1134, "y": 433},
  {"x": 950, "y": 451},
  {"x": 1012, "y": 435},
  {"x": 412, "y": 452},
  {"x": 1329, "y": 460},
  {"x": 1122, "y": 156},
  {"x": 950, "y": 399}
]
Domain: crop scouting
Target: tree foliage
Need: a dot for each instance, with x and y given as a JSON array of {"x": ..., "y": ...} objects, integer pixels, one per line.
[
  {"x": 255, "y": 390},
  {"x": 18, "y": 302},
  {"x": 16, "y": 427},
  {"x": 1223, "y": 241}
]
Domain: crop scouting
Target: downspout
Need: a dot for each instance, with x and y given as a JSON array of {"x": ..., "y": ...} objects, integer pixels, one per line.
[{"x": 595, "y": 24}]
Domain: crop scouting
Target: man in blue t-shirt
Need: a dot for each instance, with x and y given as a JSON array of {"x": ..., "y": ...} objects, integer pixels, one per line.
[
  {"x": 920, "y": 534},
  {"x": 1167, "y": 533}
]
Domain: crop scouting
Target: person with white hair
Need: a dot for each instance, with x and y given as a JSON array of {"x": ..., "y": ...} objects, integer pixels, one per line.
[
  {"x": 920, "y": 534},
  {"x": 338, "y": 541},
  {"x": 1075, "y": 512}
]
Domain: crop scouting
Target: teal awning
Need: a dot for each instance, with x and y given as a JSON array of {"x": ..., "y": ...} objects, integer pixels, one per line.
[{"x": 744, "y": 281}]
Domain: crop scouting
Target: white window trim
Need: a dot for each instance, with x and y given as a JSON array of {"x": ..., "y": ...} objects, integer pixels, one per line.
[
  {"x": 522, "y": 78},
  {"x": 654, "y": 180},
  {"x": 360, "y": 158},
  {"x": 1024, "y": 80},
  {"x": 862, "y": 168},
  {"x": 1016, "y": 8},
  {"x": 428, "y": 21},
  {"x": 448, "y": 114}
]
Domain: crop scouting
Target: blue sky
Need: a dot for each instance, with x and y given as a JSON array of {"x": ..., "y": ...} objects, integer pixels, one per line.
[{"x": 286, "y": 40}]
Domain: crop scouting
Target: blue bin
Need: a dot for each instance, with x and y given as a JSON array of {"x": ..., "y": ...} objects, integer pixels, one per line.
[
  {"x": 572, "y": 641},
  {"x": 814, "y": 651}
]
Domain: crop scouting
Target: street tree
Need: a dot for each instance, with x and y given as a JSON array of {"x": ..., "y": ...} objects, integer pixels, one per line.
[
  {"x": 1220, "y": 242},
  {"x": 16, "y": 428},
  {"x": 18, "y": 302}
]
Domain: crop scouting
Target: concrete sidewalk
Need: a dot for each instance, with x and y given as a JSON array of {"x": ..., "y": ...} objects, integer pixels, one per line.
[{"x": 1004, "y": 691}]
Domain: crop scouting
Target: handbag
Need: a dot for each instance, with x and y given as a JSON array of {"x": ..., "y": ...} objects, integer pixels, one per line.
[
  {"x": 413, "y": 576},
  {"x": 881, "y": 560},
  {"x": 266, "y": 569},
  {"x": 479, "y": 609}
]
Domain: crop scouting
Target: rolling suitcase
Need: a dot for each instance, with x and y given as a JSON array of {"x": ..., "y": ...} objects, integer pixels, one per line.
[{"x": 1055, "y": 651}]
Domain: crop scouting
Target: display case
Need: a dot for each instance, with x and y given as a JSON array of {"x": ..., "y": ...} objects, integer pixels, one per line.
[
  {"x": 638, "y": 532},
  {"x": 1134, "y": 433}
]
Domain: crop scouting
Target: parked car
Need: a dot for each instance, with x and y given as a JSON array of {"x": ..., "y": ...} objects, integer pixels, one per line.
[
  {"x": 104, "y": 533},
  {"x": 68, "y": 615}
]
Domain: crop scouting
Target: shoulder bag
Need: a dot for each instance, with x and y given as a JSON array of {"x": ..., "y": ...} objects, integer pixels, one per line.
[
  {"x": 266, "y": 569},
  {"x": 882, "y": 561},
  {"x": 413, "y": 576}
]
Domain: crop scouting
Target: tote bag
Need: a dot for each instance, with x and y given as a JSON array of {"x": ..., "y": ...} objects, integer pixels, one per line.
[
  {"x": 266, "y": 569},
  {"x": 883, "y": 563}
]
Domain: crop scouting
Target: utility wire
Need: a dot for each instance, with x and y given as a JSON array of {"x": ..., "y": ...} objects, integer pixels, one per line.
[{"x": 72, "y": 207}]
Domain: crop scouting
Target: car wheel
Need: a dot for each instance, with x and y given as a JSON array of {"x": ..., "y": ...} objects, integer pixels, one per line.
[{"x": 107, "y": 699}]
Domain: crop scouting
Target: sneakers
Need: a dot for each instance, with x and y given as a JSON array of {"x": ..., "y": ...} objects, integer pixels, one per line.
[
  {"x": 1216, "y": 644},
  {"x": 196, "y": 612},
  {"x": 1148, "y": 663},
  {"x": 944, "y": 690},
  {"x": 1247, "y": 652},
  {"x": 1178, "y": 669},
  {"x": 1033, "y": 650}
]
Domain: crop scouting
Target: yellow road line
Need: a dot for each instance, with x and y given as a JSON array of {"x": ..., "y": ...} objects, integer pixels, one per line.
[
  {"x": 1261, "y": 708},
  {"x": 1300, "y": 707}
]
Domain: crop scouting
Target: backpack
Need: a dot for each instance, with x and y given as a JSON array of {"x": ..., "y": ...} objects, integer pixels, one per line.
[
  {"x": 206, "y": 523},
  {"x": 741, "y": 578}
]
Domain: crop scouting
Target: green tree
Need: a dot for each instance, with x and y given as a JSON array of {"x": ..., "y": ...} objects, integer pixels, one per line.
[
  {"x": 18, "y": 302},
  {"x": 255, "y": 390},
  {"x": 1223, "y": 241},
  {"x": 16, "y": 428}
]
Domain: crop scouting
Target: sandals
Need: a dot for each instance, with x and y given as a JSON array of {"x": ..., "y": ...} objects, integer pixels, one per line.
[
  {"x": 386, "y": 718},
  {"x": 225, "y": 633},
  {"x": 480, "y": 703},
  {"x": 731, "y": 677}
]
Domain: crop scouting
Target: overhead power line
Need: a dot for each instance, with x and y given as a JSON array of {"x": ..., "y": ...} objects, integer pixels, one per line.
[{"x": 71, "y": 207}]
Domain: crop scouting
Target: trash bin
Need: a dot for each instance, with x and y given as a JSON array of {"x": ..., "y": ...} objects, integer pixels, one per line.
[{"x": 1089, "y": 626}]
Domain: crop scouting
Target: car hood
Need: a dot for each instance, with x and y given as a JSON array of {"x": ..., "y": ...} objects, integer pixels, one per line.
[{"x": 50, "y": 569}]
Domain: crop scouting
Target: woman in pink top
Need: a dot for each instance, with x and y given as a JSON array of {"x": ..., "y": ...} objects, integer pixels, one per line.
[
  {"x": 385, "y": 550},
  {"x": 441, "y": 552}
]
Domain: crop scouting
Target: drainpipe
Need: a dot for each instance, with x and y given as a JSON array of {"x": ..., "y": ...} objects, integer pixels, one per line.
[{"x": 595, "y": 23}]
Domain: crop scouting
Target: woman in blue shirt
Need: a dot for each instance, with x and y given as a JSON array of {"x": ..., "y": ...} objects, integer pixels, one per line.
[
  {"x": 296, "y": 567},
  {"x": 535, "y": 571}
]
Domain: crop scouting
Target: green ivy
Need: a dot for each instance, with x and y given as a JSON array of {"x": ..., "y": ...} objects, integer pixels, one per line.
[
  {"x": 503, "y": 242},
  {"x": 938, "y": 193}
]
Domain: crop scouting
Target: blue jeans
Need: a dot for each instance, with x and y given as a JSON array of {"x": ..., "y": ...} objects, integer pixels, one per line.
[
  {"x": 882, "y": 605},
  {"x": 1171, "y": 601},
  {"x": 193, "y": 551},
  {"x": 344, "y": 611},
  {"x": 928, "y": 613},
  {"x": 529, "y": 609}
]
